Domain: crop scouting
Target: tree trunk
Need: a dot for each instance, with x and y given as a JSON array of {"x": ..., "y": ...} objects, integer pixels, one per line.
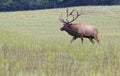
[{"x": 55, "y": 3}]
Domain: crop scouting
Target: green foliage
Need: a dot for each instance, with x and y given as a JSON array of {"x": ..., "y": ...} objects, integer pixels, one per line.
[{"x": 12, "y": 5}]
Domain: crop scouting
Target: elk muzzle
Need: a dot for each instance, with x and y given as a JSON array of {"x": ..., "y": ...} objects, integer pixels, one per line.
[{"x": 62, "y": 29}]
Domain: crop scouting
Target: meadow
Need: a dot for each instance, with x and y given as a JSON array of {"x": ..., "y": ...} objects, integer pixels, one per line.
[{"x": 31, "y": 44}]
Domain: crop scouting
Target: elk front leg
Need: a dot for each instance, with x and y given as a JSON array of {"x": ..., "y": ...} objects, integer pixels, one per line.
[
  {"x": 82, "y": 40},
  {"x": 74, "y": 38}
]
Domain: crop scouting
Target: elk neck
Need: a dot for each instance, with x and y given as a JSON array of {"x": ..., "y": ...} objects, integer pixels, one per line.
[{"x": 70, "y": 30}]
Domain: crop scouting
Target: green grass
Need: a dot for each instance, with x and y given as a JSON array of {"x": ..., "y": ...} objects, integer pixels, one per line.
[{"x": 31, "y": 44}]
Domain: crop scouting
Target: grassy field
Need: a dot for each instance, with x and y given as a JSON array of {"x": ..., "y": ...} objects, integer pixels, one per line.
[{"x": 31, "y": 44}]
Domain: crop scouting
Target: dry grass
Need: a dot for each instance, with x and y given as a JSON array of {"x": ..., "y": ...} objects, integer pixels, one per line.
[{"x": 31, "y": 44}]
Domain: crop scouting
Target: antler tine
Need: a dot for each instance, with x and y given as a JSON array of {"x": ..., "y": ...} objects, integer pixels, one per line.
[
  {"x": 61, "y": 19},
  {"x": 81, "y": 13},
  {"x": 67, "y": 12},
  {"x": 71, "y": 13},
  {"x": 78, "y": 14}
]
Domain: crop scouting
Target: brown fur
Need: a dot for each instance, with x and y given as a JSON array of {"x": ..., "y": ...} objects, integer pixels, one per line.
[{"x": 81, "y": 30}]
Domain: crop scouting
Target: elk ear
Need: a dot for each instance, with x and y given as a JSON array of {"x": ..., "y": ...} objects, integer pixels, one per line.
[{"x": 68, "y": 24}]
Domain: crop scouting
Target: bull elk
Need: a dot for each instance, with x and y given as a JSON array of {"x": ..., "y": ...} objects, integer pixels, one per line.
[{"x": 78, "y": 30}]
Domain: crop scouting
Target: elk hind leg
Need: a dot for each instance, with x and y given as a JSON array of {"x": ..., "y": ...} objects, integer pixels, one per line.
[
  {"x": 91, "y": 40},
  {"x": 96, "y": 39}
]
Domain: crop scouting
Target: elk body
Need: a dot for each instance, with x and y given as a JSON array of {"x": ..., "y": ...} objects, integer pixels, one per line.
[{"x": 79, "y": 30}]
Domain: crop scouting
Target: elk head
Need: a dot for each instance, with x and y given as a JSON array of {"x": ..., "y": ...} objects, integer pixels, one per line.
[{"x": 74, "y": 13}]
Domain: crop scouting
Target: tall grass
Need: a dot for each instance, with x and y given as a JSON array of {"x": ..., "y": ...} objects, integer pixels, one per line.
[{"x": 31, "y": 44}]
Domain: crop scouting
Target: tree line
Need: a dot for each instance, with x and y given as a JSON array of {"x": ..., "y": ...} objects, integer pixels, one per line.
[{"x": 13, "y": 5}]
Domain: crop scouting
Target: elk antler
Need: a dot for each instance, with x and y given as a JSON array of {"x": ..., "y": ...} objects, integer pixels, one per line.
[
  {"x": 77, "y": 15},
  {"x": 70, "y": 14},
  {"x": 61, "y": 19}
]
